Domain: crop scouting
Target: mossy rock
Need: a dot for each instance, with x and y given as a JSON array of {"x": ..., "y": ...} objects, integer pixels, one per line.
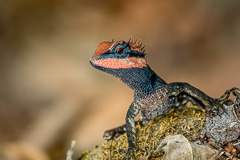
[{"x": 188, "y": 121}]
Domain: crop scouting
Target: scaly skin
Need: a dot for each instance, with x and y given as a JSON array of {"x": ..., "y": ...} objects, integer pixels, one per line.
[{"x": 152, "y": 95}]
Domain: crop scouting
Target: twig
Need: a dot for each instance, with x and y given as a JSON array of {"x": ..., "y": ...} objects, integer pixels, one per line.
[{"x": 71, "y": 150}]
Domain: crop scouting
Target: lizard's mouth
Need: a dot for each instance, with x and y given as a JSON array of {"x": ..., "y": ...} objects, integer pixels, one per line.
[
  {"x": 124, "y": 63},
  {"x": 91, "y": 61}
]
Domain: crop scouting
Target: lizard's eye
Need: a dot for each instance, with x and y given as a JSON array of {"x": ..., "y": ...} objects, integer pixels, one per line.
[{"x": 119, "y": 51}]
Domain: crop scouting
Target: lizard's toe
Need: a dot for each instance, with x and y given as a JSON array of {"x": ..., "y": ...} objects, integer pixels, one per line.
[{"x": 110, "y": 134}]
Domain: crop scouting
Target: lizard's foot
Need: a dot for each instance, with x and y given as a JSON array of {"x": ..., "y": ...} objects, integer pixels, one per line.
[
  {"x": 110, "y": 134},
  {"x": 216, "y": 108},
  {"x": 114, "y": 133}
]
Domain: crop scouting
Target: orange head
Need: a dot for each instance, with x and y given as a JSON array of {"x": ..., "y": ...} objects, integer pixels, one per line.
[{"x": 119, "y": 55}]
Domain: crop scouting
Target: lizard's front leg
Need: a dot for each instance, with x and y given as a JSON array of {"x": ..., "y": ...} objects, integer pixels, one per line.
[{"x": 131, "y": 129}]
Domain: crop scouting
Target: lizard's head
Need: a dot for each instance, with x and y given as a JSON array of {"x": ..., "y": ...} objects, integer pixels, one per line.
[{"x": 116, "y": 55}]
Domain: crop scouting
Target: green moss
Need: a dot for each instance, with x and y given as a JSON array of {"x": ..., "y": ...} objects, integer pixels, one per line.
[
  {"x": 187, "y": 121},
  {"x": 84, "y": 155}
]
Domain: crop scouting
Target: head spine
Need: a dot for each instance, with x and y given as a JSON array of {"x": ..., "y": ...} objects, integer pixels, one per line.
[{"x": 136, "y": 45}]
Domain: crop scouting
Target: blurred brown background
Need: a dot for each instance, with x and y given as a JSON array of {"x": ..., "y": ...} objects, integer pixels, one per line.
[{"x": 49, "y": 93}]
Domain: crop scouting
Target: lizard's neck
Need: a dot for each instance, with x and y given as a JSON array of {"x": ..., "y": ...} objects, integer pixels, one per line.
[{"x": 141, "y": 80}]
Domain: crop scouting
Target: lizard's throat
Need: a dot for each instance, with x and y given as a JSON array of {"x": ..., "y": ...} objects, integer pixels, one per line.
[{"x": 140, "y": 80}]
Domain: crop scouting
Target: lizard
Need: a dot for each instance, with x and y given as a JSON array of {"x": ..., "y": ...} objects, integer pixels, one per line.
[{"x": 152, "y": 95}]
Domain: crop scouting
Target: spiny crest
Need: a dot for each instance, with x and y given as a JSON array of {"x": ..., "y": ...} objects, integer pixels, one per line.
[{"x": 136, "y": 45}]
